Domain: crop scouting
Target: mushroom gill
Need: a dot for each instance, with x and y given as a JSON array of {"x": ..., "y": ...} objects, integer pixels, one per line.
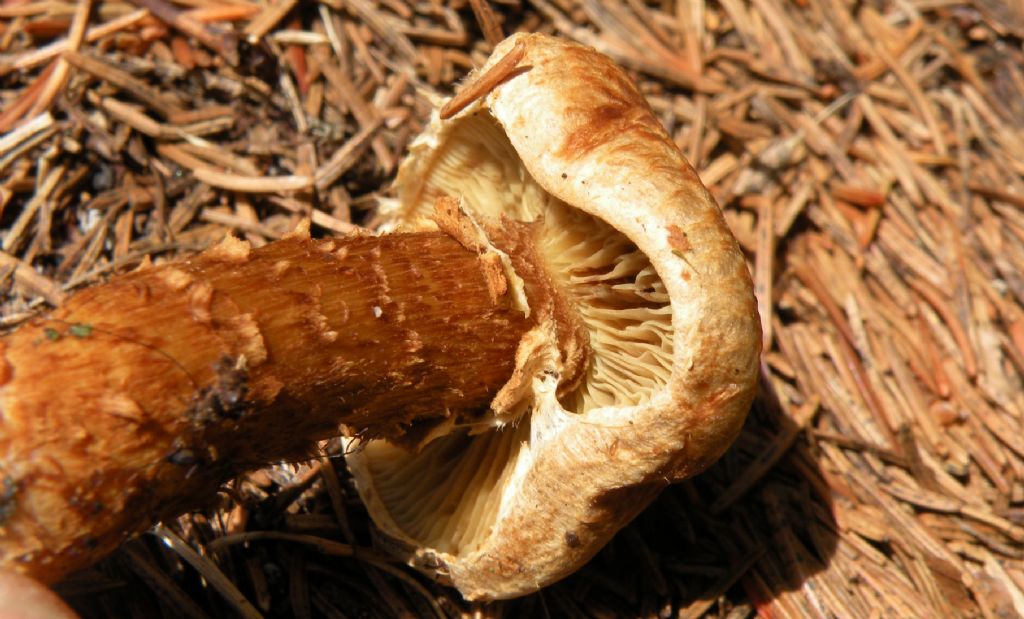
[
  {"x": 448, "y": 493},
  {"x": 613, "y": 286},
  {"x": 621, "y": 300}
]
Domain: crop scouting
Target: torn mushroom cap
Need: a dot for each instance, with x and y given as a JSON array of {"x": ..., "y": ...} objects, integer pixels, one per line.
[{"x": 635, "y": 242}]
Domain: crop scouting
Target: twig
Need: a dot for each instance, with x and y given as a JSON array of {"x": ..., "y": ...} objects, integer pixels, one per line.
[
  {"x": 485, "y": 83},
  {"x": 30, "y": 282},
  {"x": 60, "y": 73},
  {"x": 343, "y": 158},
  {"x": 252, "y": 184},
  {"x": 223, "y": 44},
  {"x": 38, "y": 56}
]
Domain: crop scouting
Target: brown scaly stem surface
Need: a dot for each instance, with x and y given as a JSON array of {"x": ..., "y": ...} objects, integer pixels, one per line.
[{"x": 141, "y": 396}]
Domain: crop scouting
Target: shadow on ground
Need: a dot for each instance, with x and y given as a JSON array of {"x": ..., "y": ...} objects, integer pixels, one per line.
[{"x": 735, "y": 535}]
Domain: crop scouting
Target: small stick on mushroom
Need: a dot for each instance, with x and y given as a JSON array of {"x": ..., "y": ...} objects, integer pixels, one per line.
[{"x": 500, "y": 71}]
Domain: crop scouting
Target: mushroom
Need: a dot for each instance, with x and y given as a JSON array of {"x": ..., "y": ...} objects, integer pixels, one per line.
[
  {"x": 639, "y": 370},
  {"x": 557, "y": 325}
]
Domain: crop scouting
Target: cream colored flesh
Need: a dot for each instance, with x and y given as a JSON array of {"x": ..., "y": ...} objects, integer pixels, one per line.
[
  {"x": 570, "y": 453},
  {"x": 446, "y": 495}
]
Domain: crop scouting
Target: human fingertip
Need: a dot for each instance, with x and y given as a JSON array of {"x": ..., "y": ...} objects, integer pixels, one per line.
[{"x": 22, "y": 597}]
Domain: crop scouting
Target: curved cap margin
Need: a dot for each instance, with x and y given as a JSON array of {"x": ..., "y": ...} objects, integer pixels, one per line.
[{"x": 588, "y": 137}]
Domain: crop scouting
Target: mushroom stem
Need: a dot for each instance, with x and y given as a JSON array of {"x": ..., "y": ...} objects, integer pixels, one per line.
[{"x": 139, "y": 397}]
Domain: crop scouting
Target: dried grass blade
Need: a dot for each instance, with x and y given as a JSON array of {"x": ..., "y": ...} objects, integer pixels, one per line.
[
  {"x": 160, "y": 103},
  {"x": 38, "y": 56},
  {"x": 209, "y": 571},
  {"x": 488, "y": 21},
  {"x": 346, "y": 156},
  {"x": 267, "y": 19}
]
